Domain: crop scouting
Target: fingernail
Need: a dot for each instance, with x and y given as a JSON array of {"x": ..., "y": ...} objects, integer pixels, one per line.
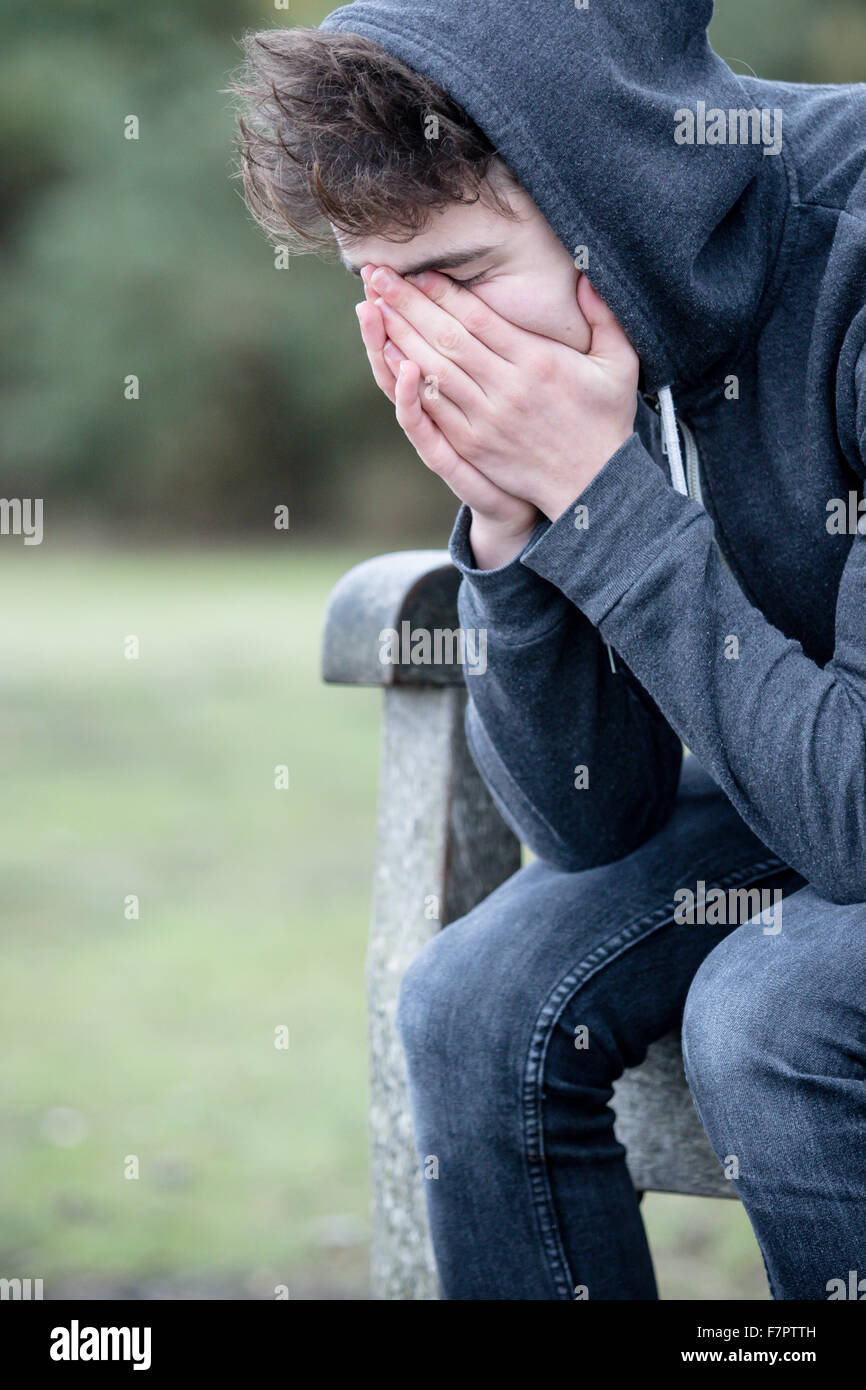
[
  {"x": 382, "y": 279},
  {"x": 366, "y": 272},
  {"x": 380, "y": 304}
]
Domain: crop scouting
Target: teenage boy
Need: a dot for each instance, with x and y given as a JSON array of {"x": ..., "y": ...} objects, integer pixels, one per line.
[{"x": 567, "y": 219}]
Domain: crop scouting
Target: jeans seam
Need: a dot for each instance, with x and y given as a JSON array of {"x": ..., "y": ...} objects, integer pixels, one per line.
[{"x": 541, "y": 1196}]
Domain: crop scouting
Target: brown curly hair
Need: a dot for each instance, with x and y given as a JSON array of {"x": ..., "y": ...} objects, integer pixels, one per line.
[{"x": 333, "y": 129}]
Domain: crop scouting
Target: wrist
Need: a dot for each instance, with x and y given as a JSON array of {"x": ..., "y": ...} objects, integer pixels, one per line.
[{"x": 496, "y": 543}]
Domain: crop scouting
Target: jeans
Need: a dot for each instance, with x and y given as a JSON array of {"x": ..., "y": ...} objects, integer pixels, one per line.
[{"x": 517, "y": 1019}]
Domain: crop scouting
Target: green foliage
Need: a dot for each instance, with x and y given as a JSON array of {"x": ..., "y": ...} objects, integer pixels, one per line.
[
  {"x": 155, "y": 777},
  {"x": 793, "y": 40},
  {"x": 138, "y": 257}
]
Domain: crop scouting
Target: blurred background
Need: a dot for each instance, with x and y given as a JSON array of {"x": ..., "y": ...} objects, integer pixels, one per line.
[{"x": 152, "y": 779}]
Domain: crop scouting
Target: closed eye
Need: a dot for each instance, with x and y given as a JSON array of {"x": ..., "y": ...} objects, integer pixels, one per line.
[{"x": 468, "y": 284}]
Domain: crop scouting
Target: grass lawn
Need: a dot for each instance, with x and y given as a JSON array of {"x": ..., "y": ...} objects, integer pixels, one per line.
[{"x": 152, "y": 1040}]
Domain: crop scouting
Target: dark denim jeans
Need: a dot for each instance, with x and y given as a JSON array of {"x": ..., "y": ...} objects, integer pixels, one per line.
[{"x": 532, "y": 1197}]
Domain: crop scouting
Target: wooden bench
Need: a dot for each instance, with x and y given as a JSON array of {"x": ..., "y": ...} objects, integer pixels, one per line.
[{"x": 442, "y": 847}]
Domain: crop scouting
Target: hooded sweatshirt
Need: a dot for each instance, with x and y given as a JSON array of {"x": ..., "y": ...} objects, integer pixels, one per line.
[{"x": 723, "y": 220}]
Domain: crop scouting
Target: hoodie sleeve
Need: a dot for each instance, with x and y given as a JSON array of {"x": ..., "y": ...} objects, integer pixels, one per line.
[
  {"x": 578, "y": 760},
  {"x": 784, "y": 737}
]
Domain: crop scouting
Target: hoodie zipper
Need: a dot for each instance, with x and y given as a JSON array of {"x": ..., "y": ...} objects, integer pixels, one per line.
[
  {"x": 693, "y": 464},
  {"x": 691, "y": 458}
]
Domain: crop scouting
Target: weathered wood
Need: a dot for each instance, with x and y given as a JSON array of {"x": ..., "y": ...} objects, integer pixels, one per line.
[
  {"x": 667, "y": 1149},
  {"x": 442, "y": 847},
  {"x": 414, "y": 586}
]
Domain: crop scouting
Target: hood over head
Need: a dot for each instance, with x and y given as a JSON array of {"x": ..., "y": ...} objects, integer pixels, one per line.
[{"x": 681, "y": 239}]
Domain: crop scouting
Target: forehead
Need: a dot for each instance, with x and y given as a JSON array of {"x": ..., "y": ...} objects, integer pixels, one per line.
[{"x": 449, "y": 236}]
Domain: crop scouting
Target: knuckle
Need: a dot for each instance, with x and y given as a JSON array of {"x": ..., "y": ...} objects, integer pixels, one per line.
[
  {"x": 476, "y": 322},
  {"x": 448, "y": 340},
  {"x": 442, "y": 377},
  {"x": 542, "y": 368},
  {"x": 516, "y": 398}
]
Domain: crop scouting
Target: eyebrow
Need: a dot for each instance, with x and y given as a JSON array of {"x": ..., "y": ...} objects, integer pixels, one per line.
[{"x": 450, "y": 260}]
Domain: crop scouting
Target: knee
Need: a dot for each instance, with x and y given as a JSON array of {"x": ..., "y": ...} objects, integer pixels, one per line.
[
  {"x": 473, "y": 1014},
  {"x": 426, "y": 999},
  {"x": 766, "y": 1010},
  {"x": 730, "y": 1013},
  {"x": 443, "y": 1012},
  {"x": 469, "y": 1002}
]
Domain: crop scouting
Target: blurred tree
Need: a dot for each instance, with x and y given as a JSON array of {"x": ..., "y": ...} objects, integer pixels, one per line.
[
  {"x": 793, "y": 40},
  {"x": 137, "y": 257}
]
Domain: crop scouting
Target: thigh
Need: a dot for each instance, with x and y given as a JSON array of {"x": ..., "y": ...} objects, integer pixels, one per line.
[
  {"x": 494, "y": 984},
  {"x": 782, "y": 1004},
  {"x": 500, "y": 1095}
]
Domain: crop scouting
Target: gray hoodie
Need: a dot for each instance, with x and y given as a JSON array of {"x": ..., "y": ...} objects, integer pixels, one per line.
[{"x": 723, "y": 219}]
